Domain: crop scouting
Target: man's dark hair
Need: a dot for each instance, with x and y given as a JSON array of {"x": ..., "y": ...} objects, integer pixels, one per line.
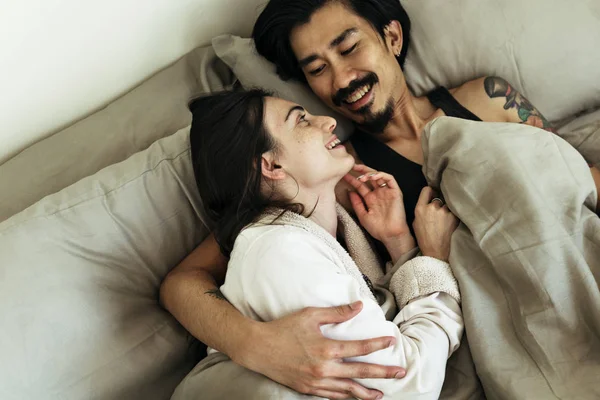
[{"x": 274, "y": 25}]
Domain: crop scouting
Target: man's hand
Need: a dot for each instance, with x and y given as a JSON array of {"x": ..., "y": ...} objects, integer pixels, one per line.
[{"x": 293, "y": 352}]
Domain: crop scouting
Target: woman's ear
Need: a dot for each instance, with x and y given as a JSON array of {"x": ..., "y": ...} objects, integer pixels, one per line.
[
  {"x": 394, "y": 37},
  {"x": 270, "y": 168}
]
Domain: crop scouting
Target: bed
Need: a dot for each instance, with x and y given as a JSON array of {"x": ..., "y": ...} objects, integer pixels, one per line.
[{"x": 97, "y": 197}]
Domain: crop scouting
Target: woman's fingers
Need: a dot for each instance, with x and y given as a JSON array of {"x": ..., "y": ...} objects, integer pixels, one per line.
[
  {"x": 428, "y": 197},
  {"x": 362, "y": 169},
  {"x": 375, "y": 176},
  {"x": 357, "y": 205},
  {"x": 379, "y": 178},
  {"x": 357, "y": 184},
  {"x": 438, "y": 203},
  {"x": 427, "y": 194}
]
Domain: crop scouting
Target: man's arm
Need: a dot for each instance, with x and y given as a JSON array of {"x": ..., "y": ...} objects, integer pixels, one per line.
[
  {"x": 291, "y": 350},
  {"x": 515, "y": 106},
  {"x": 191, "y": 293}
]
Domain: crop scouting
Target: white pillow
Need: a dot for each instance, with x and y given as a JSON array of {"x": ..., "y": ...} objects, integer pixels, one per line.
[{"x": 79, "y": 278}]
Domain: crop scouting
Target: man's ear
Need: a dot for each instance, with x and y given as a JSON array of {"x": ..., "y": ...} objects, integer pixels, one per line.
[
  {"x": 394, "y": 37},
  {"x": 270, "y": 169}
]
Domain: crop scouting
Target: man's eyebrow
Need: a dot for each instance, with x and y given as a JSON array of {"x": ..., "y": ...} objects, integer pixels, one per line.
[
  {"x": 307, "y": 60},
  {"x": 334, "y": 43},
  {"x": 295, "y": 108}
]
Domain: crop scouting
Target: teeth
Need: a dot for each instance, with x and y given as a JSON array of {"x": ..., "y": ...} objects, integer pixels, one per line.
[
  {"x": 359, "y": 94},
  {"x": 333, "y": 144}
]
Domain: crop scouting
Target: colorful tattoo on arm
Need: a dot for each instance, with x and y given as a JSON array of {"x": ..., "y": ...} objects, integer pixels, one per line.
[
  {"x": 528, "y": 114},
  {"x": 217, "y": 294}
]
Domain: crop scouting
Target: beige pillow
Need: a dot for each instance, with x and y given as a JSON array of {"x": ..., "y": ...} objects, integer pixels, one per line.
[
  {"x": 156, "y": 108},
  {"x": 79, "y": 278},
  {"x": 252, "y": 70},
  {"x": 548, "y": 51}
]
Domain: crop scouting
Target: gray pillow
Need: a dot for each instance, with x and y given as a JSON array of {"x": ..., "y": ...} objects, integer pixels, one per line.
[
  {"x": 154, "y": 109},
  {"x": 79, "y": 278}
]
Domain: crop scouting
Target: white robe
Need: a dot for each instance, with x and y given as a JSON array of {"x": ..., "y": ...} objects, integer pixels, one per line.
[{"x": 276, "y": 270}]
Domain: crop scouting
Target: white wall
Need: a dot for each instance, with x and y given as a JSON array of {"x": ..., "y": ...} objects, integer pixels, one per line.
[{"x": 62, "y": 59}]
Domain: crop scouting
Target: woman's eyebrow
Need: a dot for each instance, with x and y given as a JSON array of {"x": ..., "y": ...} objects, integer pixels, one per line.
[{"x": 294, "y": 108}]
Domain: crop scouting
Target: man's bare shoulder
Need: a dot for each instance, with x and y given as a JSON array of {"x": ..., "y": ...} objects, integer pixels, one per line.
[
  {"x": 473, "y": 96},
  {"x": 468, "y": 88}
]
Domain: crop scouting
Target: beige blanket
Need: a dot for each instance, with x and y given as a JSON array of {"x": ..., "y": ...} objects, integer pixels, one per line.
[
  {"x": 586, "y": 140},
  {"x": 527, "y": 256}
]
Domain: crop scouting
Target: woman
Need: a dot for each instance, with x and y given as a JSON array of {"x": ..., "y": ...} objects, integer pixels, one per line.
[{"x": 267, "y": 171}]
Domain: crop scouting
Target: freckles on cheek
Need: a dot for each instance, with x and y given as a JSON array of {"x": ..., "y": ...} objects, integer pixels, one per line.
[{"x": 302, "y": 140}]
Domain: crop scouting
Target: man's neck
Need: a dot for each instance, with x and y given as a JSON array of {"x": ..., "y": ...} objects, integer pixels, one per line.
[{"x": 411, "y": 114}]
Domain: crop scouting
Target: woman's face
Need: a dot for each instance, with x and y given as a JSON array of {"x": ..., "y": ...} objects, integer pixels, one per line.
[{"x": 308, "y": 149}]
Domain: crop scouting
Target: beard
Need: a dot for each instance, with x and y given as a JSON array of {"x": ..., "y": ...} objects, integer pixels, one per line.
[
  {"x": 377, "y": 122},
  {"x": 373, "y": 122}
]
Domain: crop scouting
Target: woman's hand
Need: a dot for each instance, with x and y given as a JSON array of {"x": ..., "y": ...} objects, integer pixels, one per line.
[
  {"x": 434, "y": 225},
  {"x": 293, "y": 351},
  {"x": 380, "y": 209}
]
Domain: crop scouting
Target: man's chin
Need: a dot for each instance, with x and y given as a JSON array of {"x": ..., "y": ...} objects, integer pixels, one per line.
[
  {"x": 377, "y": 122},
  {"x": 358, "y": 116}
]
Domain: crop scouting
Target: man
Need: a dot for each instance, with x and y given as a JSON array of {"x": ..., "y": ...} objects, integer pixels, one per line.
[{"x": 350, "y": 53}]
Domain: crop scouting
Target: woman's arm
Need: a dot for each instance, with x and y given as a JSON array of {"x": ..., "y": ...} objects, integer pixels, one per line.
[
  {"x": 296, "y": 272},
  {"x": 298, "y": 355}
]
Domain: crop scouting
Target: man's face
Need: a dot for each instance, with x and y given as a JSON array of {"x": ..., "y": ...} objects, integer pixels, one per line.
[{"x": 348, "y": 65}]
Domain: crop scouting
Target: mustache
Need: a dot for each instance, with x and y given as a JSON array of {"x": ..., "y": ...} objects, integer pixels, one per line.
[{"x": 370, "y": 79}]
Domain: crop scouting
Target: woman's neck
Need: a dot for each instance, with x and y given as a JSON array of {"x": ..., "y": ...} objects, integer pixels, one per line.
[{"x": 324, "y": 214}]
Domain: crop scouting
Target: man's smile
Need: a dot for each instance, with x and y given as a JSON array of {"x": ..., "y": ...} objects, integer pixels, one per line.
[{"x": 359, "y": 99}]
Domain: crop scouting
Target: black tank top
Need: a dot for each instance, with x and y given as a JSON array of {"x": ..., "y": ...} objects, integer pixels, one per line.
[{"x": 408, "y": 174}]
